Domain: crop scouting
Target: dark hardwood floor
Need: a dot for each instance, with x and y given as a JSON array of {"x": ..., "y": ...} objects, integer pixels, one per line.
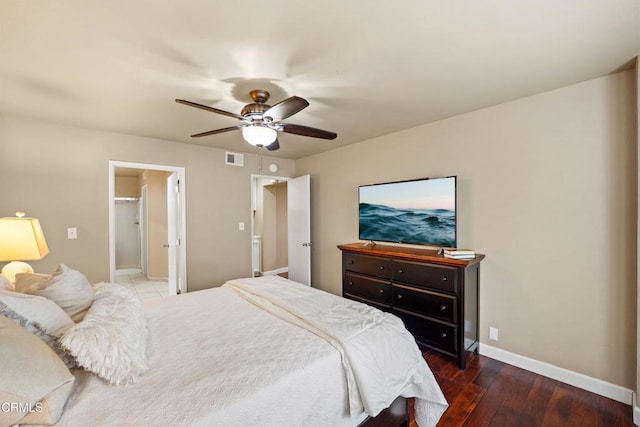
[{"x": 492, "y": 393}]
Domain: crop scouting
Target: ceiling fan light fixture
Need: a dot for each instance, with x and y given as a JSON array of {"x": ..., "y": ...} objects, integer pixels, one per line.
[
  {"x": 259, "y": 136},
  {"x": 260, "y": 122}
]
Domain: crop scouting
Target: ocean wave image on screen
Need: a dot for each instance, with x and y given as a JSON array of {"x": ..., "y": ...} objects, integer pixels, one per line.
[{"x": 435, "y": 227}]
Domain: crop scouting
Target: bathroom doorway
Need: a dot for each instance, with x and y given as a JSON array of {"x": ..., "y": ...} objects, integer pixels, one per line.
[{"x": 146, "y": 231}]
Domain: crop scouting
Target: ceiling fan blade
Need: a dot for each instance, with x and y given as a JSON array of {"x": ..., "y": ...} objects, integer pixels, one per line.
[
  {"x": 207, "y": 108},
  {"x": 308, "y": 131},
  {"x": 286, "y": 108},
  {"x": 273, "y": 146},
  {"x": 213, "y": 132}
]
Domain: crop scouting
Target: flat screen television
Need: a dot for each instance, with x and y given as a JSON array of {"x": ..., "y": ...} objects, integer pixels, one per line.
[{"x": 419, "y": 211}]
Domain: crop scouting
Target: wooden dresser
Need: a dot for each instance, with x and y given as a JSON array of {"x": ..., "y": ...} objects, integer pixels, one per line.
[{"x": 436, "y": 297}]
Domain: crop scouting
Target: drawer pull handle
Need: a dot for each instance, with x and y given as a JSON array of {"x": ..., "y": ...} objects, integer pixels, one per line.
[
  {"x": 381, "y": 291},
  {"x": 382, "y": 267},
  {"x": 443, "y": 308},
  {"x": 350, "y": 283},
  {"x": 444, "y": 278},
  {"x": 443, "y": 335},
  {"x": 351, "y": 261},
  {"x": 399, "y": 296},
  {"x": 400, "y": 271}
]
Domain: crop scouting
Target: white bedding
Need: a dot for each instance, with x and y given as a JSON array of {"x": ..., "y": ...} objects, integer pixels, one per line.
[
  {"x": 380, "y": 357},
  {"x": 217, "y": 360}
]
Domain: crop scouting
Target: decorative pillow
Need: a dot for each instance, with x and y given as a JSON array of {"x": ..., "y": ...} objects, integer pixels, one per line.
[
  {"x": 111, "y": 341},
  {"x": 34, "y": 383},
  {"x": 41, "y": 317},
  {"x": 36, "y": 309},
  {"x": 66, "y": 287},
  {"x": 38, "y": 330},
  {"x": 5, "y": 284}
]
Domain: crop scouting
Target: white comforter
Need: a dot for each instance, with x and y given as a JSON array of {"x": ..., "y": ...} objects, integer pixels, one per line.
[
  {"x": 380, "y": 358},
  {"x": 217, "y": 360}
]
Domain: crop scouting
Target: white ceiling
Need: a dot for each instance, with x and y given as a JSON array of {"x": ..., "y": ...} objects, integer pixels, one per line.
[{"x": 367, "y": 68}]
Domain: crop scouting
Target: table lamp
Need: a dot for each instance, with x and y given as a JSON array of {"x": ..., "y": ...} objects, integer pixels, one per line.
[{"x": 20, "y": 239}]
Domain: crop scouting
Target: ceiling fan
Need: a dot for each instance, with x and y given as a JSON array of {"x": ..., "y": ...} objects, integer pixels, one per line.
[{"x": 262, "y": 122}]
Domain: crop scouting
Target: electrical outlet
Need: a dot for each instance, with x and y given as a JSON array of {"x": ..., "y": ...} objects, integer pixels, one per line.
[
  {"x": 241, "y": 226},
  {"x": 72, "y": 233},
  {"x": 493, "y": 333}
]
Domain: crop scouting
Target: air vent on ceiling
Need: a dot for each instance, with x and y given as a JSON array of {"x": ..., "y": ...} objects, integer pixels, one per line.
[{"x": 235, "y": 159}]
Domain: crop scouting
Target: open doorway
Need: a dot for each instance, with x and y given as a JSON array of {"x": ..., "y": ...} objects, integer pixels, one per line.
[
  {"x": 269, "y": 253},
  {"x": 146, "y": 231},
  {"x": 281, "y": 227}
]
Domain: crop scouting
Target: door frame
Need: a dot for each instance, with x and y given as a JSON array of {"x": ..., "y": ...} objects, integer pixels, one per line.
[{"x": 182, "y": 250}]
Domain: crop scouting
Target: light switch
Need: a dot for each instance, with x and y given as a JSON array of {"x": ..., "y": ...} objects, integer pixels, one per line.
[
  {"x": 241, "y": 226},
  {"x": 72, "y": 233}
]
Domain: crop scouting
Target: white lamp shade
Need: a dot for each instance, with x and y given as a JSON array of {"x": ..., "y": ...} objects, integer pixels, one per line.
[
  {"x": 21, "y": 239},
  {"x": 259, "y": 135}
]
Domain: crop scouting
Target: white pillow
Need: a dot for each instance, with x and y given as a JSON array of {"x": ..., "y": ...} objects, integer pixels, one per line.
[
  {"x": 111, "y": 341},
  {"x": 66, "y": 287},
  {"x": 5, "y": 284},
  {"x": 41, "y": 317},
  {"x": 32, "y": 377},
  {"x": 38, "y": 310}
]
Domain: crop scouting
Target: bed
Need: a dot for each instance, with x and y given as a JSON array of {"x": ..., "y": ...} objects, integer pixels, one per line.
[{"x": 262, "y": 352}]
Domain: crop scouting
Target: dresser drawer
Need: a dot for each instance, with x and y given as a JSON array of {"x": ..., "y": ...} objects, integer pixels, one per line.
[
  {"x": 428, "y": 332},
  {"x": 426, "y": 275},
  {"x": 367, "y": 287},
  {"x": 424, "y": 302},
  {"x": 373, "y": 266},
  {"x": 378, "y": 305}
]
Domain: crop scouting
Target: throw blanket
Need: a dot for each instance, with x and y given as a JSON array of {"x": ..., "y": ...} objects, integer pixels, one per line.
[{"x": 380, "y": 357}]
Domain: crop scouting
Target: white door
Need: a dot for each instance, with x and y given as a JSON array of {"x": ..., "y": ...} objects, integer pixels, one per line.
[
  {"x": 173, "y": 190},
  {"x": 299, "y": 218}
]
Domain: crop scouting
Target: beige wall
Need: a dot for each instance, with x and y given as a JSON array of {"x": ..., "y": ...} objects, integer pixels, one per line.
[
  {"x": 157, "y": 237},
  {"x": 126, "y": 186},
  {"x": 269, "y": 229},
  {"x": 547, "y": 189},
  {"x": 282, "y": 226},
  {"x": 60, "y": 174},
  {"x": 258, "y": 212}
]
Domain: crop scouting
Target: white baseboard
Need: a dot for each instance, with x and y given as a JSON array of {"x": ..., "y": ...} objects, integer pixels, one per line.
[
  {"x": 276, "y": 271},
  {"x": 636, "y": 410},
  {"x": 575, "y": 379}
]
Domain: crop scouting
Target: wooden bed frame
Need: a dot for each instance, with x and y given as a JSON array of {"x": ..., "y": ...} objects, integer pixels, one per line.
[{"x": 396, "y": 415}]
